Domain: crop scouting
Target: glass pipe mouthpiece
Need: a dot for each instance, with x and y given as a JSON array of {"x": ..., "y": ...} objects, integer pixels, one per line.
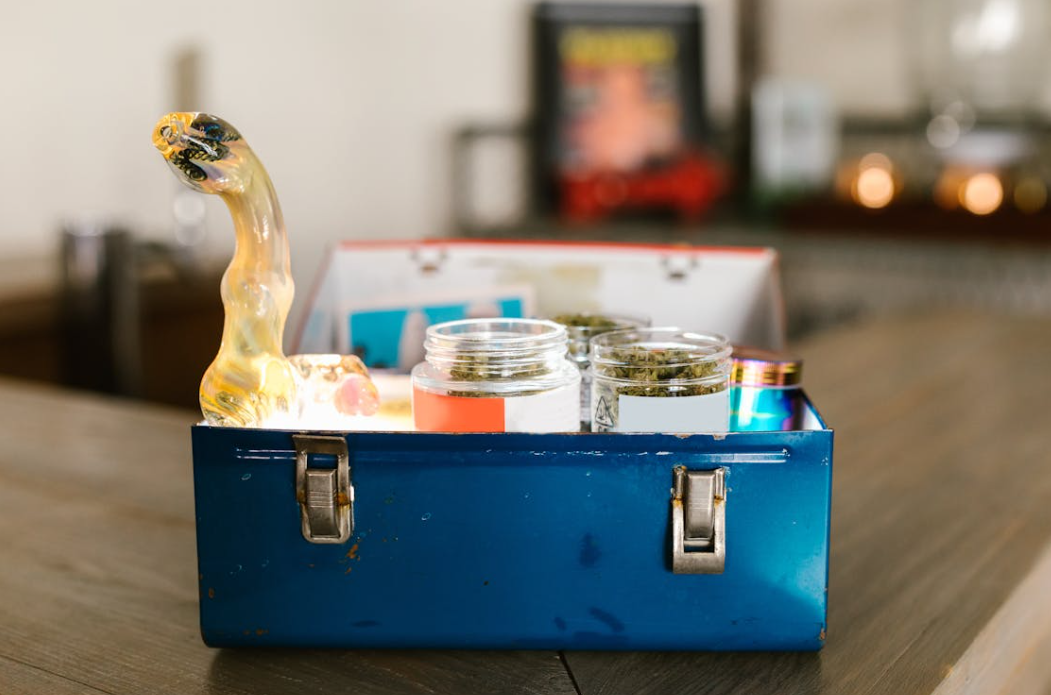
[{"x": 205, "y": 152}]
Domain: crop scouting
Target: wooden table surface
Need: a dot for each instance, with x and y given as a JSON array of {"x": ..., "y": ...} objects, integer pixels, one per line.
[{"x": 940, "y": 566}]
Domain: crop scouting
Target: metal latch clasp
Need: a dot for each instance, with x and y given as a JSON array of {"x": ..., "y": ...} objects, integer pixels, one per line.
[
  {"x": 325, "y": 495},
  {"x": 698, "y": 522}
]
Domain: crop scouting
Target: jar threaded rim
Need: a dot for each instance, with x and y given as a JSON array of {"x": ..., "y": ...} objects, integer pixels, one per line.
[{"x": 664, "y": 355}]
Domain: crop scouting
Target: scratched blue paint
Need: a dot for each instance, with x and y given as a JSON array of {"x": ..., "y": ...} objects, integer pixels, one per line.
[{"x": 450, "y": 551}]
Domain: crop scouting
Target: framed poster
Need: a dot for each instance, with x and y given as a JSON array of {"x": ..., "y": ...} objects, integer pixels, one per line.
[{"x": 620, "y": 117}]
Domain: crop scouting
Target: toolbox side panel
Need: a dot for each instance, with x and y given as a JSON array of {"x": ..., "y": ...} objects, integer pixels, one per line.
[{"x": 517, "y": 541}]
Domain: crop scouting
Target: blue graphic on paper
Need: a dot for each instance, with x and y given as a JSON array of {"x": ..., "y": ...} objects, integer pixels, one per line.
[{"x": 393, "y": 337}]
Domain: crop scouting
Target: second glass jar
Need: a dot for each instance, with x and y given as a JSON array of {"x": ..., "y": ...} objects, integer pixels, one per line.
[
  {"x": 581, "y": 327},
  {"x": 660, "y": 380}
]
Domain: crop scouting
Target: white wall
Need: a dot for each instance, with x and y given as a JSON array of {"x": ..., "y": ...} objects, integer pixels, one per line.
[
  {"x": 348, "y": 104},
  {"x": 858, "y": 49}
]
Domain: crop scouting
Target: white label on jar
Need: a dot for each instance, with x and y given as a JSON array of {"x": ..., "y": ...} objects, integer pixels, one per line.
[
  {"x": 707, "y": 413},
  {"x": 585, "y": 396},
  {"x": 557, "y": 410}
]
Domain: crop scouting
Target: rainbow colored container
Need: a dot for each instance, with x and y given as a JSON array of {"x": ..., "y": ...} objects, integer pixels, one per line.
[{"x": 766, "y": 392}]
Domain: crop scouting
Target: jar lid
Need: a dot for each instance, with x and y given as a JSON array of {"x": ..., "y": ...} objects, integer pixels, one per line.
[
  {"x": 756, "y": 367},
  {"x": 507, "y": 337}
]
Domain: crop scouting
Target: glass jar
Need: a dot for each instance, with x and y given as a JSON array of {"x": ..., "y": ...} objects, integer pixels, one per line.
[
  {"x": 496, "y": 375},
  {"x": 660, "y": 380},
  {"x": 580, "y": 329},
  {"x": 765, "y": 391}
]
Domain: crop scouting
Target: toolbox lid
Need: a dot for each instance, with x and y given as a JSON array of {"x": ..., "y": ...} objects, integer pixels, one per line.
[{"x": 371, "y": 298}]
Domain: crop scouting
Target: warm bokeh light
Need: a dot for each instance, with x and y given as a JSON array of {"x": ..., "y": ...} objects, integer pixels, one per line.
[
  {"x": 874, "y": 186},
  {"x": 1030, "y": 195},
  {"x": 982, "y": 194}
]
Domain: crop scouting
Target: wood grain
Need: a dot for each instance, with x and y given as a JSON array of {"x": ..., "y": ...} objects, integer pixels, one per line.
[
  {"x": 16, "y": 677},
  {"x": 1009, "y": 655},
  {"x": 942, "y": 509}
]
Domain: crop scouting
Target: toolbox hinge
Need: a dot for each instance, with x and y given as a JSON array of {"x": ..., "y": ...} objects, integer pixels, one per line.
[
  {"x": 698, "y": 522},
  {"x": 325, "y": 495}
]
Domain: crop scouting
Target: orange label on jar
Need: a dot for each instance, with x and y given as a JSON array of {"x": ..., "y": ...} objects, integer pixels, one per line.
[{"x": 432, "y": 412}]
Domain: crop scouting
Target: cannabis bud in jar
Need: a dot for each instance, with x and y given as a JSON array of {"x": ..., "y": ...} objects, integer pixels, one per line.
[
  {"x": 580, "y": 329},
  {"x": 660, "y": 380},
  {"x": 474, "y": 367},
  {"x": 496, "y": 375}
]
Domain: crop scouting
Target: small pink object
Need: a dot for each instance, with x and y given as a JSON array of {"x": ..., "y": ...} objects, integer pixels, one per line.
[
  {"x": 332, "y": 387},
  {"x": 357, "y": 395}
]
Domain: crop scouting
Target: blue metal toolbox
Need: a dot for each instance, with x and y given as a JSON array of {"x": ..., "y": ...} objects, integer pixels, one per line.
[{"x": 553, "y": 541}]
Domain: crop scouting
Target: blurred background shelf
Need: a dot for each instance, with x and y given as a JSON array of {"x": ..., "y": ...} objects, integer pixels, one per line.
[
  {"x": 841, "y": 275},
  {"x": 179, "y": 324}
]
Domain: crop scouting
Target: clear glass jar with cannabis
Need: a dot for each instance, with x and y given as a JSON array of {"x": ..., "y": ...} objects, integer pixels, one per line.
[
  {"x": 660, "y": 380},
  {"x": 519, "y": 365},
  {"x": 581, "y": 327}
]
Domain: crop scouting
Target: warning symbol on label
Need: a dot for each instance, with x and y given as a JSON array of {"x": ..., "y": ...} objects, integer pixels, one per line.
[{"x": 603, "y": 413}]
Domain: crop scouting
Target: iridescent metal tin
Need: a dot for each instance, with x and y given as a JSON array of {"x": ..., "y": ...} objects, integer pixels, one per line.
[{"x": 765, "y": 391}]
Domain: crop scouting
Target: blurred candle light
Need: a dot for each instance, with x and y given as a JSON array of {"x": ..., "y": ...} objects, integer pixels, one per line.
[
  {"x": 981, "y": 194},
  {"x": 874, "y": 185},
  {"x": 1030, "y": 195}
]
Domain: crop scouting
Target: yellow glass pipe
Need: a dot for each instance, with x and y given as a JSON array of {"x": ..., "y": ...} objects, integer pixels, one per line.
[{"x": 251, "y": 383}]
